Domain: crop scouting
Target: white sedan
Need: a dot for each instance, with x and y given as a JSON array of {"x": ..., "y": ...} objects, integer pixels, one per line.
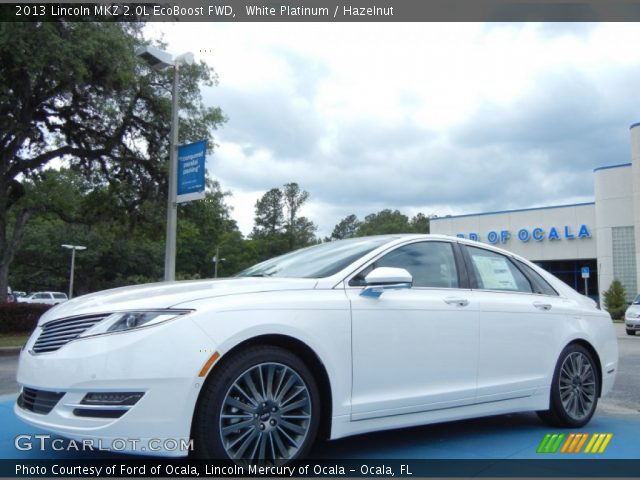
[
  {"x": 47, "y": 298},
  {"x": 338, "y": 339},
  {"x": 632, "y": 317}
]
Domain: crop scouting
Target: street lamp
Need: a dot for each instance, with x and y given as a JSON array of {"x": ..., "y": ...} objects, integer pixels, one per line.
[
  {"x": 73, "y": 249},
  {"x": 216, "y": 259},
  {"x": 160, "y": 60}
]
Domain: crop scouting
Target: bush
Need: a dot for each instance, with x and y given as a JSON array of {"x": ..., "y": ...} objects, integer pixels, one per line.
[
  {"x": 20, "y": 317},
  {"x": 615, "y": 300}
]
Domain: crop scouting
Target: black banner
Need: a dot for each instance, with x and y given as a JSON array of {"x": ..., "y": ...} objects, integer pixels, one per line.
[
  {"x": 149, "y": 467},
  {"x": 327, "y": 11}
]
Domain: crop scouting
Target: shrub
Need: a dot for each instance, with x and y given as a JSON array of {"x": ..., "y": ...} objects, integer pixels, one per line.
[
  {"x": 615, "y": 300},
  {"x": 20, "y": 317}
]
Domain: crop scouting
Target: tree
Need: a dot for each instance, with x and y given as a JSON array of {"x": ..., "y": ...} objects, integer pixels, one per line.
[
  {"x": 120, "y": 251},
  {"x": 269, "y": 218},
  {"x": 384, "y": 222},
  {"x": 615, "y": 299},
  {"x": 420, "y": 223},
  {"x": 75, "y": 92},
  {"x": 346, "y": 228},
  {"x": 299, "y": 231},
  {"x": 278, "y": 228}
]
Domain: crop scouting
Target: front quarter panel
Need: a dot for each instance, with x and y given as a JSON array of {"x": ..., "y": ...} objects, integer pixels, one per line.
[{"x": 319, "y": 318}]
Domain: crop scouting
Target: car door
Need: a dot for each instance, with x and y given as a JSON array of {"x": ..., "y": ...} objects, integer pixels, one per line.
[
  {"x": 414, "y": 349},
  {"x": 519, "y": 326},
  {"x": 40, "y": 298}
]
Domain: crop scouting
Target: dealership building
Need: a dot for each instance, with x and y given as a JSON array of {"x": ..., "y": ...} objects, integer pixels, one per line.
[{"x": 599, "y": 240}]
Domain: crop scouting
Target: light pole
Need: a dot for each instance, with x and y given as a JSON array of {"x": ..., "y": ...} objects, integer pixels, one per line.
[
  {"x": 216, "y": 259},
  {"x": 73, "y": 249},
  {"x": 160, "y": 60}
]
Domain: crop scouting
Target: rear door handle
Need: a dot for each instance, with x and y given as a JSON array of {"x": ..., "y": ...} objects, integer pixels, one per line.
[
  {"x": 542, "y": 306},
  {"x": 458, "y": 302}
]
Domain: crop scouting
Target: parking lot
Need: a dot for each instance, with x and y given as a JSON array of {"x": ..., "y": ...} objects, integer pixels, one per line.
[{"x": 500, "y": 437}]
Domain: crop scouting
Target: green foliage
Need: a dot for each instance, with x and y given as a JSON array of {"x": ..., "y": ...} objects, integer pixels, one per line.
[
  {"x": 278, "y": 227},
  {"x": 384, "y": 222},
  {"x": 20, "y": 317},
  {"x": 346, "y": 228},
  {"x": 614, "y": 300},
  {"x": 123, "y": 249},
  {"x": 76, "y": 92}
]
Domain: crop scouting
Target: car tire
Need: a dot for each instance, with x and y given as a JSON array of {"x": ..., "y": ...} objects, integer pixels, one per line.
[
  {"x": 272, "y": 397},
  {"x": 631, "y": 332},
  {"x": 574, "y": 389}
]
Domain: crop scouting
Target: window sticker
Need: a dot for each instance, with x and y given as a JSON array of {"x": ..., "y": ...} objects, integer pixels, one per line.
[{"x": 495, "y": 273}]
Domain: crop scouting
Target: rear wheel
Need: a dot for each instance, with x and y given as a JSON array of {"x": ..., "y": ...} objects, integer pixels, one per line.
[
  {"x": 631, "y": 332},
  {"x": 261, "y": 406},
  {"x": 574, "y": 389}
]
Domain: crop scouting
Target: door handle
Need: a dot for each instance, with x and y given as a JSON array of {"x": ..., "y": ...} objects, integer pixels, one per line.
[
  {"x": 542, "y": 306},
  {"x": 458, "y": 302}
]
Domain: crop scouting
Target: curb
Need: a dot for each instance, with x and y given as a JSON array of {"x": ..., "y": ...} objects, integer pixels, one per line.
[{"x": 9, "y": 351}]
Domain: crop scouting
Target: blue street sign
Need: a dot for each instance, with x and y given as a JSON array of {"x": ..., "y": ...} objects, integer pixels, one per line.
[
  {"x": 191, "y": 171},
  {"x": 585, "y": 272}
]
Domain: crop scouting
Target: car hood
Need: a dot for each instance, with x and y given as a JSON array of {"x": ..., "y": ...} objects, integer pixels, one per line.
[
  {"x": 634, "y": 309},
  {"x": 168, "y": 294}
]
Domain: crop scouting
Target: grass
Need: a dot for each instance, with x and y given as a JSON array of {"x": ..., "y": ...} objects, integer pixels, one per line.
[{"x": 13, "y": 339}]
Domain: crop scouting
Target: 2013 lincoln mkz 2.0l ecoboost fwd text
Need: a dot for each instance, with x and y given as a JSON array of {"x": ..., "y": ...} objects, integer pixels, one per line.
[{"x": 336, "y": 339}]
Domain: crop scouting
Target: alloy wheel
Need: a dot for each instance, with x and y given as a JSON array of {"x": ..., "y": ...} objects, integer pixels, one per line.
[
  {"x": 265, "y": 415},
  {"x": 577, "y": 385}
]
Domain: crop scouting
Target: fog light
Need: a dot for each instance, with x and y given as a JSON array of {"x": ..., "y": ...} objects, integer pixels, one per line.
[{"x": 112, "y": 398}]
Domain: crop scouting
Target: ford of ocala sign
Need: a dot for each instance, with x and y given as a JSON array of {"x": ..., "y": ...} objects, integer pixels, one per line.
[{"x": 536, "y": 234}]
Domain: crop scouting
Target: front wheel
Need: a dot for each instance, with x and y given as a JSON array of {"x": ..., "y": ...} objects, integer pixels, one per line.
[
  {"x": 574, "y": 389},
  {"x": 261, "y": 406}
]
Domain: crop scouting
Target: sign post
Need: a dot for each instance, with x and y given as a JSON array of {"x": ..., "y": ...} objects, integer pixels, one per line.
[
  {"x": 191, "y": 170},
  {"x": 585, "y": 274}
]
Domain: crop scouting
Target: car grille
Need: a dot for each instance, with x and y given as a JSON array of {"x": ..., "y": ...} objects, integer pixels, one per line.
[
  {"x": 38, "y": 401},
  {"x": 60, "y": 332}
]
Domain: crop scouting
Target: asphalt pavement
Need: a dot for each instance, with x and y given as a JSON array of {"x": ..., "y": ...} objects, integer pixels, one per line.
[{"x": 8, "y": 367}]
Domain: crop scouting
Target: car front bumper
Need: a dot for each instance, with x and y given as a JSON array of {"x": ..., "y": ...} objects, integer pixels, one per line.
[
  {"x": 632, "y": 323},
  {"x": 163, "y": 362}
]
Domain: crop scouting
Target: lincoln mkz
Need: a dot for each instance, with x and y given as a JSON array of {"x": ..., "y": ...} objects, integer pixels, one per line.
[{"x": 333, "y": 340}]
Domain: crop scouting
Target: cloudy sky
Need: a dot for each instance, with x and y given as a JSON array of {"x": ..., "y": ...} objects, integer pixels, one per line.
[{"x": 433, "y": 118}]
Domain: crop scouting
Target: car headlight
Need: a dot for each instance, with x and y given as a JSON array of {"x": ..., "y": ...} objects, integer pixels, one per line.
[{"x": 131, "y": 320}]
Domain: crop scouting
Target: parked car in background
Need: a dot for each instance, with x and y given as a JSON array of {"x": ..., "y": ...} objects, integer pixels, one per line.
[
  {"x": 48, "y": 298},
  {"x": 19, "y": 294},
  {"x": 632, "y": 317}
]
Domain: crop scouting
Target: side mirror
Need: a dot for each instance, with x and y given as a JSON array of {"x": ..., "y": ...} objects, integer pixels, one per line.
[{"x": 386, "y": 278}]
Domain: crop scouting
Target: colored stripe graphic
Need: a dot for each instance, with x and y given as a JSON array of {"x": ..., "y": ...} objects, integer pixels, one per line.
[
  {"x": 574, "y": 443},
  {"x": 550, "y": 443},
  {"x": 598, "y": 443}
]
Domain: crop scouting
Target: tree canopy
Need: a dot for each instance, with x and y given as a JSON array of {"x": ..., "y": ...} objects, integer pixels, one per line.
[
  {"x": 75, "y": 94},
  {"x": 84, "y": 129}
]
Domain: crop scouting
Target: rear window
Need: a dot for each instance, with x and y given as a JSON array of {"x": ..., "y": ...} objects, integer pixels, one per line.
[{"x": 540, "y": 285}]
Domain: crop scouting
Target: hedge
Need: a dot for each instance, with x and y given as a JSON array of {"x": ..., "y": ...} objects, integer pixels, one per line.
[{"x": 20, "y": 317}]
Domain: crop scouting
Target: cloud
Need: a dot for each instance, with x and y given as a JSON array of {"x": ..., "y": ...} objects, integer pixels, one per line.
[{"x": 433, "y": 118}]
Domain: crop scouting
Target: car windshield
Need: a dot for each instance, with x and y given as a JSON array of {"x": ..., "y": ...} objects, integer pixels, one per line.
[
  {"x": 637, "y": 300},
  {"x": 318, "y": 261}
]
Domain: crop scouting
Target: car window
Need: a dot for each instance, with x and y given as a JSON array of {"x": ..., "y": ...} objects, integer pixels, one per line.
[
  {"x": 40, "y": 296},
  {"x": 432, "y": 264},
  {"x": 540, "y": 284},
  {"x": 496, "y": 272},
  {"x": 318, "y": 261},
  {"x": 62, "y": 296},
  {"x": 637, "y": 300}
]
